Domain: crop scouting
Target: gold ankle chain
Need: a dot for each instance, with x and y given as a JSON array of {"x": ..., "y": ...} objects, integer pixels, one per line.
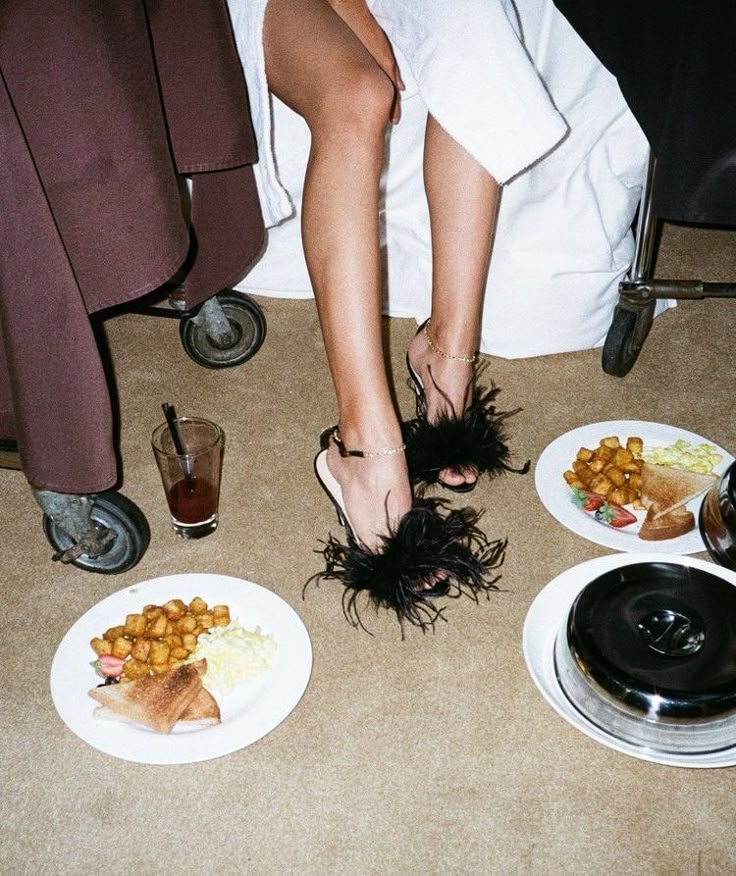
[
  {"x": 440, "y": 352},
  {"x": 363, "y": 454}
]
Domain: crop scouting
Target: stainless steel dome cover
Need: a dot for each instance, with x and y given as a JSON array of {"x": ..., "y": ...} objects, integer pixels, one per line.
[{"x": 648, "y": 654}]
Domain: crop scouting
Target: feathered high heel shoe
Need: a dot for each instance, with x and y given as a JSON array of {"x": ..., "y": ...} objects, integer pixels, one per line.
[
  {"x": 475, "y": 440},
  {"x": 431, "y": 552}
]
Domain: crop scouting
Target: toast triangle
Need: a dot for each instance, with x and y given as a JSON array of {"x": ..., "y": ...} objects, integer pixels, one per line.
[
  {"x": 155, "y": 701},
  {"x": 663, "y": 487}
]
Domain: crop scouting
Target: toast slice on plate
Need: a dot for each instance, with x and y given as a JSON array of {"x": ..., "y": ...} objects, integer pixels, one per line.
[
  {"x": 673, "y": 524},
  {"x": 156, "y": 701},
  {"x": 203, "y": 710},
  {"x": 663, "y": 488}
]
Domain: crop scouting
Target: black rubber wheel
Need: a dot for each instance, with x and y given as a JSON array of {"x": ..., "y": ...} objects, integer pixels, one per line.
[
  {"x": 249, "y": 327},
  {"x": 124, "y": 518},
  {"x": 625, "y": 338}
]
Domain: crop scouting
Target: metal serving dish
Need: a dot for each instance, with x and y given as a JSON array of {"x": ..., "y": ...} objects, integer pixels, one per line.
[
  {"x": 648, "y": 655},
  {"x": 718, "y": 519}
]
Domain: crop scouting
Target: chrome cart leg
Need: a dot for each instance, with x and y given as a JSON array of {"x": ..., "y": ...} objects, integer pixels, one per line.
[
  {"x": 647, "y": 231},
  {"x": 634, "y": 312}
]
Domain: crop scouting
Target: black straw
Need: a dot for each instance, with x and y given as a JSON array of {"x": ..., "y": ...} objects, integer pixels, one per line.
[{"x": 170, "y": 415}]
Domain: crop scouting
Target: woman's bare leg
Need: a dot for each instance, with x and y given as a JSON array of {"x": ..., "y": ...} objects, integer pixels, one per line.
[
  {"x": 463, "y": 203},
  {"x": 317, "y": 66}
]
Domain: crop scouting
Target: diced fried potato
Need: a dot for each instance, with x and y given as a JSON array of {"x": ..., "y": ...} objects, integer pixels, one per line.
[
  {"x": 586, "y": 476},
  {"x": 121, "y": 647},
  {"x": 635, "y": 445},
  {"x": 621, "y": 496},
  {"x": 604, "y": 453},
  {"x": 135, "y": 669},
  {"x": 179, "y": 654},
  {"x": 114, "y": 633},
  {"x": 156, "y": 627},
  {"x": 583, "y": 471},
  {"x": 198, "y": 605},
  {"x": 609, "y": 467},
  {"x": 222, "y": 615},
  {"x": 101, "y": 646},
  {"x": 175, "y": 609},
  {"x": 186, "y": 624},
  {"x": 153, "y": 611},
  {"x": 158, "y": 668},
  {"x": 189, "y": 641},
  {"x": 141, "y": 648},
  {"x": 173, "y": 663},
  {"x": 622, "y": 456},
  {"x": 135, "y": 625},
  {"x": 173, "y": 641},
  {"x": 616, "y": 476},
  {"x": 601, "y": 485},
  {"x": 170, "y": 628},
  {"x": 206, "y": 620},
  {"x": 159, "y": 652}
]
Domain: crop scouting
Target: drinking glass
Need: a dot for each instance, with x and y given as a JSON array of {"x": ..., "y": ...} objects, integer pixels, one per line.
[{"x": 191, "y": 479}]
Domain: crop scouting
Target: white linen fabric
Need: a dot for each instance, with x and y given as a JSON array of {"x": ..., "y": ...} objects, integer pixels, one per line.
[{"x": 517, "y": 87}]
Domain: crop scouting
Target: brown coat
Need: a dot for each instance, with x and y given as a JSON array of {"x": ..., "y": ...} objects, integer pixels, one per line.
[{"x": 103, "y": 106}]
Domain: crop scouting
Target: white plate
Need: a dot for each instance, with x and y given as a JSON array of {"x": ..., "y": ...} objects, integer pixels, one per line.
[
  {"x": 546, "y": 617},
  {"x": 556, "y": 496},
  {"x": 248, "y": 712}
]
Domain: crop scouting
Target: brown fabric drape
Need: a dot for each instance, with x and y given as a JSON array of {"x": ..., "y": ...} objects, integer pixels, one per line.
[{"x": 102, "y": 107}]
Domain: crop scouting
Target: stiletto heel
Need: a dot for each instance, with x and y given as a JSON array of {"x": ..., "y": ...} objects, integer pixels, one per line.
[
  {"x": 474, "y": 440},
  {"x": 429, "y": 544}
]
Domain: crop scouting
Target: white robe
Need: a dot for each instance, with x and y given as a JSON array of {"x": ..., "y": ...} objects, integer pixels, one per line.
[{"x": 514, "y": 84}]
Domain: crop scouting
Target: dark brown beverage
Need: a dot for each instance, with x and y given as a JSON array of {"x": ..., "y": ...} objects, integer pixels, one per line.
[{"x": 192, "y": 500}]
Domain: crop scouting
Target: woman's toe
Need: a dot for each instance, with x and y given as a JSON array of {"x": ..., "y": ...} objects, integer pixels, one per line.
[
  {"x": 456, "y": 477},
  {"x": 452, "y": 476}
]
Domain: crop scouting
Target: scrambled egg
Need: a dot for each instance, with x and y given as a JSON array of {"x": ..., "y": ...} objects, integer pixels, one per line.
[
  {"x": 235, "y": 656},
  {"x": 682, "y": 454}
]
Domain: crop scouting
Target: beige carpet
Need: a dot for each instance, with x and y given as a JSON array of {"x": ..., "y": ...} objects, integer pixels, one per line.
[{"x": 436, "y": 754}]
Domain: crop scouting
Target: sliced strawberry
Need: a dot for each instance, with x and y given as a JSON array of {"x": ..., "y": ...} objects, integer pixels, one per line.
[
  {"x": 615, "y": 515},
  {"x": 593, "y": 502},
  {"x": 108, "y": 666},
  {"x": 587, "y": 499}
]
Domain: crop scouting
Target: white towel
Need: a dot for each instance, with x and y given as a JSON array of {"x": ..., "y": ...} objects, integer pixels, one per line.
[
  {"x": 563, "y": 240},
  {"x": 468, "y": 64}
]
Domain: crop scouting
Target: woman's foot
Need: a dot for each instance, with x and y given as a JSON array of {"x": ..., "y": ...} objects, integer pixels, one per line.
[
  {"x": 373, "y": 493},
  {"x": 447, "y": 381},
  {"x": 376, "y": 492}
]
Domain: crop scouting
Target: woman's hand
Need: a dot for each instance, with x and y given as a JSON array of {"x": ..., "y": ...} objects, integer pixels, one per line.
[{"x": 358, "y": 17}]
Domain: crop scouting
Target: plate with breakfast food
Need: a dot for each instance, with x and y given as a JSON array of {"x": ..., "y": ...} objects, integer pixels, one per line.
[
  {"x": 630, "y": 485},
  {"x": 181, "y": 668}
]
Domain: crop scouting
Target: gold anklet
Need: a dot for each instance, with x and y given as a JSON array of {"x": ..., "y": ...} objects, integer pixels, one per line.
[
  {"x": 363, "y": 454},
  {"x": 435, "y": 349}
]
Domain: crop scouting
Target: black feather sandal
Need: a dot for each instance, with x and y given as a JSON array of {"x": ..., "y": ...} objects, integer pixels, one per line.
[
  {"x": 475, "y": 441},
  {"x": 431, "y": 552}
]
